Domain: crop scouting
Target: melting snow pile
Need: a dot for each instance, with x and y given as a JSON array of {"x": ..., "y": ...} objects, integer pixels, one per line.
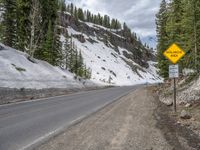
[{"x": 18, "y": 71}]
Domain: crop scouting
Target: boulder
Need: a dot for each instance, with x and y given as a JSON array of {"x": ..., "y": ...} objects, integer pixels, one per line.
[
  {"x": 188, "y": 105},
  {"x": 185, "y": 115}
]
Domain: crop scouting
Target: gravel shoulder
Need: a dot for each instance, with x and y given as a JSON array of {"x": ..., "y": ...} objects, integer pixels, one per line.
[{"x": 137, "y": 121}]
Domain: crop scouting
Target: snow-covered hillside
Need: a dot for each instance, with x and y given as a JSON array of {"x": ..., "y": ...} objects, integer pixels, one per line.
[
  {"x": 17, "y": 71},
  {"x": 106, "y": 64},
  {"x": 110, "y": 61}
]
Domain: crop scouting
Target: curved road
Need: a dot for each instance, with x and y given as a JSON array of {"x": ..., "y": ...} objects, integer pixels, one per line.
[{"x": 24, "y": 125}]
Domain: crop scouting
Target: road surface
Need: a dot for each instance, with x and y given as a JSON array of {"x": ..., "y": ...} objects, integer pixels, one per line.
[
  {"x": 138, "y": 121},
  {"x": 24, "y": 125}
]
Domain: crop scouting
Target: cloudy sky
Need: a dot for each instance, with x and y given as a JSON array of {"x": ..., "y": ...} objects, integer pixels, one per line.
[{"x": 138, "y": 14}]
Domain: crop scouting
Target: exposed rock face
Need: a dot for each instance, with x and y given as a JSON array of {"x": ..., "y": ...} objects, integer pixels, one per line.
[{"x": 138, "y": 53}]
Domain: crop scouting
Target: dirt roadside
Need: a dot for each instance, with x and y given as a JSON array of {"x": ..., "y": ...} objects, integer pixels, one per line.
[{"x": 137, "y": 121}]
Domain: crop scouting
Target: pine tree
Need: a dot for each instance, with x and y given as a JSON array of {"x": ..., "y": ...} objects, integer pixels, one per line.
[
  {"x": 197, "y": 33},
  {"x": 126, "y": 31},
  {"x": 49, "y": 39},
  {"x": 1, "y": 16},
  {"x": 161, "y": 22},
  {"x": 100, "y": 19},
  {"x": 62, "y": 5},
  {"x": 66, "y": 53},
  {"x": 88, "y": 17},
  {"x": 113, "y": 23},
  {"x": 76, "y": 13},
  {"x": 81, "y": 14},
  {"x": 174, "y": 25},
  {"x": 9, "y": 23},
  {"x": 106, "y": 21},
  {"x": 23, "y": 24},
  {"x": 188, "y": 28},
  {"x": 80, "y": 64},
  {"x": 76, "y": 62},
  {"x": 72, "y": 56},
  {"x": 46, "y": 53},
  {"x": 72, "y": 9}
]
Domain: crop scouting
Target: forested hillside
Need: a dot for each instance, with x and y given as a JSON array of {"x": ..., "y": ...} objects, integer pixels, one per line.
[{"x": 178, "y": 21}]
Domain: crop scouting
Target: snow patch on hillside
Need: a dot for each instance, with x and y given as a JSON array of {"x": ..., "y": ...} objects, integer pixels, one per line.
[
  {"x": 17, "y": 71},
  {"x": 108, "y": 66}
]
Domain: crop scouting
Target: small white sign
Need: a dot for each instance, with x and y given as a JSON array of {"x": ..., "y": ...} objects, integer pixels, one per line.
[{"x": 173, "y": 71}]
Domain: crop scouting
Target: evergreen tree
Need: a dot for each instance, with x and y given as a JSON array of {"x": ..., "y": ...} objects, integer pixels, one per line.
[
  {"x": 126, "y": 31},
  {"x": 88, "y": 17},
  {"x": 80, "y": 14},
  {"x": 106, "y": 21},
  {"x": 9, "y": 23},
  {"x": 80, "y": 64},
  {"x": 196, "y": 25},
  {"x": 23, "y": 24},
  {"x": 72, "y": 56},
  {"x": 76, "y": 62},
  {"x": 46, "y": 53},
  {"x": 161, "y": 22},
  {"x": 62, "y": 5},
  {"x": 113, "y": 23},
  {"x": 76, "y": 13},
  {"x": 66, "y": 53},
  {"x": 72, "y": 9},
  {"x": 49, "y": 20},
  {"x": 100, "y": 19}
]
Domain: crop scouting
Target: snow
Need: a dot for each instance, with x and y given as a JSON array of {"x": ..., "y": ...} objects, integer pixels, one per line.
[
  {"x": 107, "y": 64},
  {"x": 108, "y": 67},
  {"x": 16, "y": 71},
  {"x": 187, "y": 71}
]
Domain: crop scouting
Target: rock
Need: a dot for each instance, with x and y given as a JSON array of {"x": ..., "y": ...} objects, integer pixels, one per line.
[
  {"x": 169, "y": 103},
  {"x": 1, "y": 47},
  {"x": 185, "y": 115},
  {"x": 166, "y": 101},
  {"x": 188, "y": 105},
  {"x": 182, "y": 103}
]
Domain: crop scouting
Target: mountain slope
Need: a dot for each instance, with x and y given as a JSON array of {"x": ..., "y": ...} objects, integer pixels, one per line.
[
  {"x": 112, "y": 57},
  {"x": 18, "y": 70}
]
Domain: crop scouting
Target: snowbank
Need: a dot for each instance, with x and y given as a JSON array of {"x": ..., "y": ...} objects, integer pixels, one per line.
[{"x": 17, "y": 71}]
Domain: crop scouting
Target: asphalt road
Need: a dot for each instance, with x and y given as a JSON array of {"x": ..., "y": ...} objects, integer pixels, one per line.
[{"x": 24, "y": 125}]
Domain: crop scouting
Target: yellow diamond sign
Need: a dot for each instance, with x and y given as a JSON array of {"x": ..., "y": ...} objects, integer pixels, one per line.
[{"x": 174, "y": 53}]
